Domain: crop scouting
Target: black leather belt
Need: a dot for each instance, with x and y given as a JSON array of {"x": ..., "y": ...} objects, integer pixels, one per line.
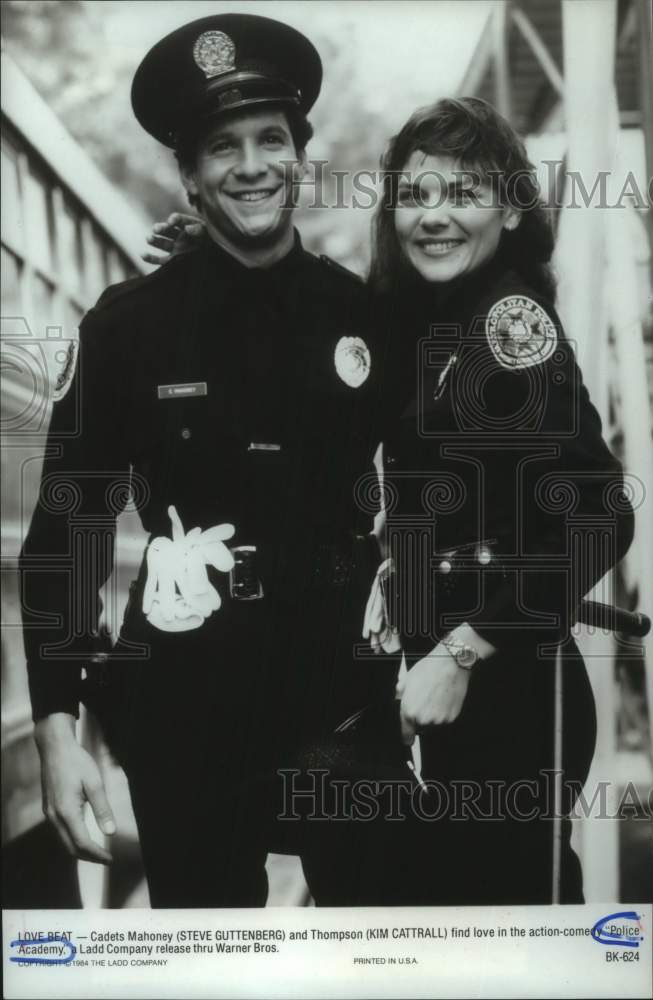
[
  {"x": 333, "y": 565},
  {"x": 336, "y": 562},
  {"x": 330, "y": 564}
]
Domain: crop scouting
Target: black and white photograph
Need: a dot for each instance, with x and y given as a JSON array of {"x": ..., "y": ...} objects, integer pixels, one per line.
[{"x": 327, "y": 399}]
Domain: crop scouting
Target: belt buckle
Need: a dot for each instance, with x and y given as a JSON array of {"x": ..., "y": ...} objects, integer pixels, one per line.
[{"x": 244, "y": 584}]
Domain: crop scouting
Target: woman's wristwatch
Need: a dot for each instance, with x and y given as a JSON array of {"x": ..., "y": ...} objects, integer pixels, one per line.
[
  {"x": 466, "y": 646},
  {"x": 464, "y": 654}
]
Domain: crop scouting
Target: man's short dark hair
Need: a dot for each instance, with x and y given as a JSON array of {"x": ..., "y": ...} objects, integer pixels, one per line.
[{"x": 187, "y": 145}]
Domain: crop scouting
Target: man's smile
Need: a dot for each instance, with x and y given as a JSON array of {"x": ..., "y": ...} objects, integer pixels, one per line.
[{"x": 259, "y": 194}]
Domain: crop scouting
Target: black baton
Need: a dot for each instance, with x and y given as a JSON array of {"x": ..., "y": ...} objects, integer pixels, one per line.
[{"x": 615, "y": 619}]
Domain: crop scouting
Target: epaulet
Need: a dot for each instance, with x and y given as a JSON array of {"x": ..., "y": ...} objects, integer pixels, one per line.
[
  {"x": 519, "y": 329},
  {"x": 340, "y": 269},
  {"x": 124, "y": 289}
]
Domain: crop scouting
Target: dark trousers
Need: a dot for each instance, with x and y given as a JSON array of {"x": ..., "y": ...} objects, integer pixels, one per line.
[
  {"x": 484, "y": 831},
  {"x": 186, "y": 760},
  {"x": 201, "y": 729},
  {"x": 191, "y": 728},
  {"x": 423, "y": 863}
]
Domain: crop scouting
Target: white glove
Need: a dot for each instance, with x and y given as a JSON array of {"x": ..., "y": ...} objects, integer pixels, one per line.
[
  {"x": 178, "y": 595},
  {"x": 376, "y": 624}
]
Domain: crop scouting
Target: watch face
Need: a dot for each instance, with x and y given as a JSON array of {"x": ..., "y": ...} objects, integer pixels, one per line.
[{"x": 466, "y": 657}]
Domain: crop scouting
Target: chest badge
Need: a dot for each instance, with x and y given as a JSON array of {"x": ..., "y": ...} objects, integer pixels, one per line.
[
  {"x": 520, "y": 333},
  {"x": 352, "y": 360}
]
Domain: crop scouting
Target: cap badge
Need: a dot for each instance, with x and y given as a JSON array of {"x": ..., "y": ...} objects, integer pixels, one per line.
[
  {"x": 214, "y": 53},
  {"x": 353, "y": 362}
]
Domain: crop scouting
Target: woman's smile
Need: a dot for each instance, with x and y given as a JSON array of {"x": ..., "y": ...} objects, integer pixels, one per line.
[{"x": 434, "y": 246}]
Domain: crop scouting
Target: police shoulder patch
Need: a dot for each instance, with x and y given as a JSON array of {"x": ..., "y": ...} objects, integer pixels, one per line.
[
  {"x": 520, "y": 333},
  {"x": 66, "y": 361}
]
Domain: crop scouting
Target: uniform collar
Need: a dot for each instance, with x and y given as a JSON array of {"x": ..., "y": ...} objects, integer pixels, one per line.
[
  {"x": 469, "y": 289},
  {"x": 222, "y": 259},
  {"x": 417, "y": 303}
]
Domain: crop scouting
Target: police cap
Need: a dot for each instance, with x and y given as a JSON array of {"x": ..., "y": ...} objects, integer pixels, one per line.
[{"x": 220, "y": 64}]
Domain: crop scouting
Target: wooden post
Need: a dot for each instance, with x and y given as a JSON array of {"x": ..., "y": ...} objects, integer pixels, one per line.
[
  {"x": 589, "y": 90},
  {"x": 580, "y": 261},
  {"x": 500, "y": 28},
  {"x": 626, "y": 321},
  {"x": 556, "y": 869},
  {"x": 645, "y": 73}
]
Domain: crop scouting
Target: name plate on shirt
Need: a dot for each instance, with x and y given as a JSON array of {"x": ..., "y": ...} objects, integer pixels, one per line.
[
  {"x": 182, "y": 390},
  {"x": 261, "y": 446}
]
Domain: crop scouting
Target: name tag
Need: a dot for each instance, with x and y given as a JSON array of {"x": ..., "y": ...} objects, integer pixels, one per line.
[
  {"x": 182, "y": 390},
  {"x": 255, "y": 446}
]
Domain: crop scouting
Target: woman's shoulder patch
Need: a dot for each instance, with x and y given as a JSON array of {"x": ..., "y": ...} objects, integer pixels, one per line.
[{"x": 520, "y": 333}]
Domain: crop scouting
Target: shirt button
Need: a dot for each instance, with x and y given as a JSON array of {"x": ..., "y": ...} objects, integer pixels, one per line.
[{"x": 186, "y": 433}]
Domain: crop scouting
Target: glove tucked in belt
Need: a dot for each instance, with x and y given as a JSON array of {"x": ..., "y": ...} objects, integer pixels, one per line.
[{"x": 178, "y": 595}]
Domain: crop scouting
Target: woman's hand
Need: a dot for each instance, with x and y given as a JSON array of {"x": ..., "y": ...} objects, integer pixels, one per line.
[
  {"x": 178, "y": 234},
  {"x": 432, "y": 693}
]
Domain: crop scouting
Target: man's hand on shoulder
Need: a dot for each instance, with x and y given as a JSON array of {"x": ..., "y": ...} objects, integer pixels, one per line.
[
  {"x": 178, "y": 234},
  {"x": 70, "y": 777}
]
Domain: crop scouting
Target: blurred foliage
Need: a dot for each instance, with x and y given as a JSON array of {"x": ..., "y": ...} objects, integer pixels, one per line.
[{"x": 63, "y": 49}]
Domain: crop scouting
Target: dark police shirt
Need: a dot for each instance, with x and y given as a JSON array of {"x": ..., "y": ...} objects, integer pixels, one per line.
[
  {"x": 268, "y": 437},
  {"x": 500, "y": 445}
]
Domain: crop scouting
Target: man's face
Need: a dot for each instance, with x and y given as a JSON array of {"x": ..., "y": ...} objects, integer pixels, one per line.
[{"x": 243, "y": 176}]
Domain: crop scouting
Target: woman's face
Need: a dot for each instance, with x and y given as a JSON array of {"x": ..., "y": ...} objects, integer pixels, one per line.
[{"x": 447, "y": 223}]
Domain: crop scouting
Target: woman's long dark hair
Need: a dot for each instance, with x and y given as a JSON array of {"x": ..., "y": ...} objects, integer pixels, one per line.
[{"x": 479, "y": 140}]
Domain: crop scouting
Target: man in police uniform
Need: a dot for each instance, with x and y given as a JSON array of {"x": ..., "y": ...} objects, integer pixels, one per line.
[{"x": 228, "y": 394}]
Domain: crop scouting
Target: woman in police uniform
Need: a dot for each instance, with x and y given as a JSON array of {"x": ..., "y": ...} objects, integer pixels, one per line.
[{"x": 504, "y": 506}]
